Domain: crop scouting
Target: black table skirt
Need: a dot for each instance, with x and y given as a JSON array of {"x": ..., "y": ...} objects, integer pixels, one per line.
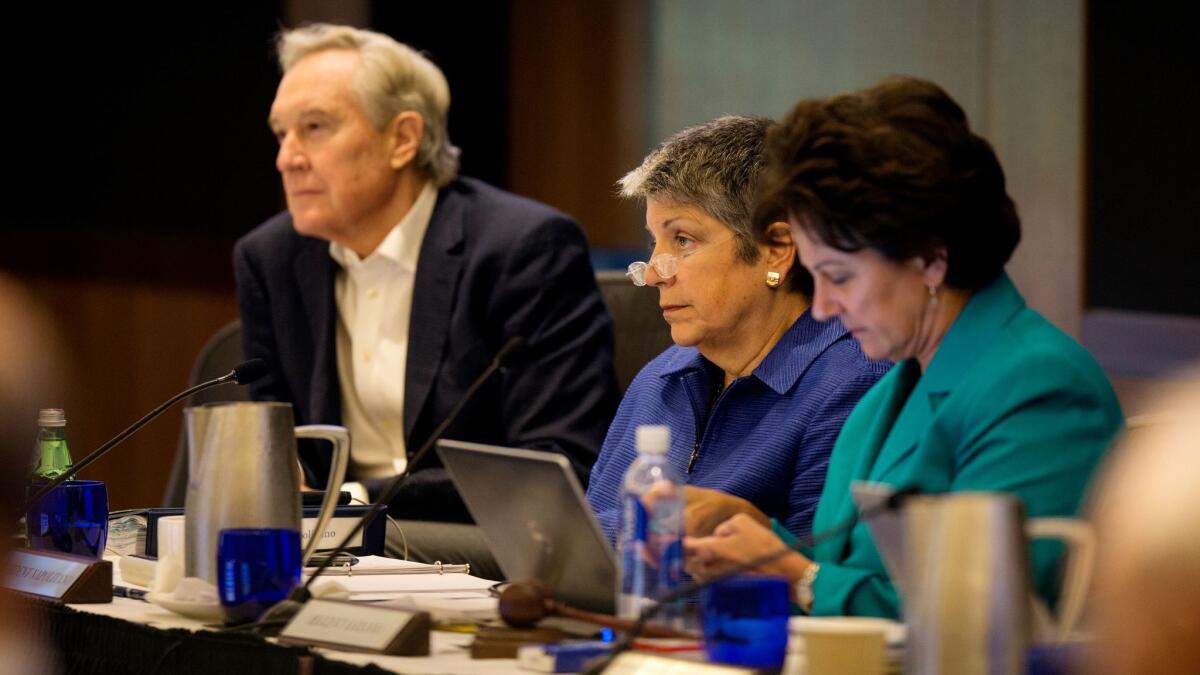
[{"x": 91, "y": 643}]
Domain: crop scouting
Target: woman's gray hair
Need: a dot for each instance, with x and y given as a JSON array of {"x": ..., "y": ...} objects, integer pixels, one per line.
[
  {"x": 714, "y": 166},
  {"x": 391, "y": 78}
]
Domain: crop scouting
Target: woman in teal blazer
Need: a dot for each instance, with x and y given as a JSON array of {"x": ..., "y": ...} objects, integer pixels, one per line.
[{"x": 901, "y": 215}]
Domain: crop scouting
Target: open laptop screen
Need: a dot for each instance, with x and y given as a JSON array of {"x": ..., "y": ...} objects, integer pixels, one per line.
[{"x": 533, "y": 514}]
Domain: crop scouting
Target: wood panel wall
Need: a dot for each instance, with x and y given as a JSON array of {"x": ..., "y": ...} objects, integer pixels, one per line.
[
  {"x": 577, "y": 109},
  {"x": 129, "y": 346}
]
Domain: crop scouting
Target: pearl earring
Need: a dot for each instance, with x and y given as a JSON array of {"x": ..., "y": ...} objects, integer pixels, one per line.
[{"x": 774, "y": 279}]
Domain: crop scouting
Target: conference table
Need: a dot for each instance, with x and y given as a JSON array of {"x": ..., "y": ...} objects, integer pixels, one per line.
[{"x": 132, "y": 635}]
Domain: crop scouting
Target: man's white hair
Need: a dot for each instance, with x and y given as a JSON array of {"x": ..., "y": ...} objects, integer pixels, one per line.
[{"x": 391, "y": 78}]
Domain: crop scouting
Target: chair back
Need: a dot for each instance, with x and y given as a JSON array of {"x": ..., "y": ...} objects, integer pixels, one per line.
[
  {"x": 638, "y": 326},
  {"x": 219, "y": 355}
]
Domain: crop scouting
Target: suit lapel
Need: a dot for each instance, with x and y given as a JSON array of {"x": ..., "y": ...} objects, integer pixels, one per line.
[
  {"x": 314, "y": 271},
  {"x": 438, "y": 273},
  {"x": 859, "y": 444},
  {"x": 909, "y": 426}
]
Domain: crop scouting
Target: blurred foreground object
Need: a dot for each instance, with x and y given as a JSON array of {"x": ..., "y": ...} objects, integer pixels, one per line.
[
  {"x": 1147, "y": 513},
  {"x": 28, "y": 355}
]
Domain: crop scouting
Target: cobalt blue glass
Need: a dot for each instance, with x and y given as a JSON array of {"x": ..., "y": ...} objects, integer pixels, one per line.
[
  {"x": 256, "y": 568},
  {"x": 71, "y": 518},
  {"x": 1054, "y": 659},
  {"x": 746, "y": 621}
]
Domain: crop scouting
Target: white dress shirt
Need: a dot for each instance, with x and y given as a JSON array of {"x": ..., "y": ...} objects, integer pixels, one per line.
[{"x": 374, "y": 302}]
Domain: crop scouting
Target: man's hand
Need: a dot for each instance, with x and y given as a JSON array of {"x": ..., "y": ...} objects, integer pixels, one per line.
[
  {"x": 706, "y": 509},
  {"x": 737, "y": 541}
]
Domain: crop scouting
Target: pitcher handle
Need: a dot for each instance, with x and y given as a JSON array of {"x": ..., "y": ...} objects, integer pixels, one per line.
[
  {"x": 340, "y": 437},
  {"x": 1077, "y": 574}
]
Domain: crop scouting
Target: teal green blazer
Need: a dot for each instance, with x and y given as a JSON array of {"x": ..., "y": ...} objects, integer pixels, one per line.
[{"x": 1009, "y": 403}]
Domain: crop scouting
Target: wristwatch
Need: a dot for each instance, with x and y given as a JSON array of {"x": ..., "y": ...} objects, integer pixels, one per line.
[{"x": 804, "y": 587}]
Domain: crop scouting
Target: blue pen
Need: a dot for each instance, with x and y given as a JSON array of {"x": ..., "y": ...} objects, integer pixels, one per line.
[{"x": 131, "y": 593}]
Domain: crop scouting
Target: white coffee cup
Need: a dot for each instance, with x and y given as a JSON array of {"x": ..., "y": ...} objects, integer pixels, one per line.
[
  {"x": 169, "y": 569},
  {"x": 843, "y": 645}
]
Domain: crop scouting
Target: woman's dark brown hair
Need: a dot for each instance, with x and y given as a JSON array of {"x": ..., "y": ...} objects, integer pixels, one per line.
[{"x": 894, "y": 168}]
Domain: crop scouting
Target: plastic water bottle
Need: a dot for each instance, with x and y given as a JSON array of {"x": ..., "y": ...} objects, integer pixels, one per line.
[{"x": 650, "y": 542}]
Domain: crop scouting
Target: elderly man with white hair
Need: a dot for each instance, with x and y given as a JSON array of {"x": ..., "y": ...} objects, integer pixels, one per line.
[{"x": 390, "y": 283}]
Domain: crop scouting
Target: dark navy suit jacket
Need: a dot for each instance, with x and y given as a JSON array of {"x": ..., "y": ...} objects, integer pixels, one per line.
[{"x": 492, "y": 266}]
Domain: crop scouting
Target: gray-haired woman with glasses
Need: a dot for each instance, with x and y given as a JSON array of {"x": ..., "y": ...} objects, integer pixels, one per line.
[{"x": 754, "y": 390}]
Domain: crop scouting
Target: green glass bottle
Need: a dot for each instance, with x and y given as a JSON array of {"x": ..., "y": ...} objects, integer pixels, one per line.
[{"x": 54, "y": 455}]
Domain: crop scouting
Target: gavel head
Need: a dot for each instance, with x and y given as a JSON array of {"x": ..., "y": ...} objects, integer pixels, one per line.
[{"x": 524, "y": 603}]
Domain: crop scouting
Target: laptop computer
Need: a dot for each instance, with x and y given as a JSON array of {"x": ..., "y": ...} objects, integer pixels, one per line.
[{"x": 533, "y": 514}]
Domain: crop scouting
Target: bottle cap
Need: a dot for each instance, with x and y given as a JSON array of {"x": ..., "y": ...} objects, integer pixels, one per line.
[
  {"x": 653, "y": 439},
  {"x": 52, "y": 417}
]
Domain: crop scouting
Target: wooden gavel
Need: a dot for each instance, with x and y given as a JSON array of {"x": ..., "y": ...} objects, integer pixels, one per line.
[{"x": 524, "y": 603}]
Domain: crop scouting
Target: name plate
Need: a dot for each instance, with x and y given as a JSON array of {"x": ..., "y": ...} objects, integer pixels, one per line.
[
  {"x": 59, "y": 576},
  {"x": 335, "y": 530},
  {"x": 359, "y": 627},
  {"x": 367, "y": 542}
]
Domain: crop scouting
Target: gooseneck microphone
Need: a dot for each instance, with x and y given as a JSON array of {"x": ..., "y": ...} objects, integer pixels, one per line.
[
  {"x": 245, "y": 373},
  {"x": 301, "y": 594},
  {"x": 893, "y": 502}
]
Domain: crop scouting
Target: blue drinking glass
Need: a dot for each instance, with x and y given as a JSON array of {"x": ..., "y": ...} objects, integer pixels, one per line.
[
  {"x": 1055, "y": 659},
  {"x": 256, "y": 568},
  {"x": 71, "y": 518},
  {"x": 746, "y": 621}
]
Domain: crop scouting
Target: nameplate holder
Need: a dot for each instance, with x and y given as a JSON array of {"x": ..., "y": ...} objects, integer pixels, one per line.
[
  {"x": 359, "y": 627},
  {"x": 70, "y": 579},
  {"x": 367, "y": 542},
  {"x": 334, "y": 532}
]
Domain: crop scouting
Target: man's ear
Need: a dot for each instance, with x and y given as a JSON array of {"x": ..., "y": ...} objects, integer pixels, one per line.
[
  {"x": 405, "y": 132},
  {"x": 780, "y": 248}
]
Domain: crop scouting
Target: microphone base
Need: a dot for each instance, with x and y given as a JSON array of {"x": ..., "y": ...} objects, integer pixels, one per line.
[{"x": 275, "y": 619}]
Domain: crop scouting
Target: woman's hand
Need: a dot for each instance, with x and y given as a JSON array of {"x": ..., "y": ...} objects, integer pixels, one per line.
[
  {"x": 736, "y": 541},
  {"x": 706, "y": 509}
]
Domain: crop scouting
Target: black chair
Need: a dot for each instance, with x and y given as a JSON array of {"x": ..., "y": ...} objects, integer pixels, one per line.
[
  {"x": 219, "y": 355},
  {"x": 640, "y": 331}
]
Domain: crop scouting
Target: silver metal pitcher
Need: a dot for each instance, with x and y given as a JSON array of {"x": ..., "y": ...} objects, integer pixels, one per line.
[
  {"x": 968, "y": 587},
  {"x": 243, "y": 471}
]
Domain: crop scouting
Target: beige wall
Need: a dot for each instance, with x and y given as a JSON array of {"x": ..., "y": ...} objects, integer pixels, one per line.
[{"x": 1015, "y": 66}]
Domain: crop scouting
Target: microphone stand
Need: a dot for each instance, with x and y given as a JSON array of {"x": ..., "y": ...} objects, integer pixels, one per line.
[
  {"x": 244, "y": 373},
  {"x": 289, "y": 606}
]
